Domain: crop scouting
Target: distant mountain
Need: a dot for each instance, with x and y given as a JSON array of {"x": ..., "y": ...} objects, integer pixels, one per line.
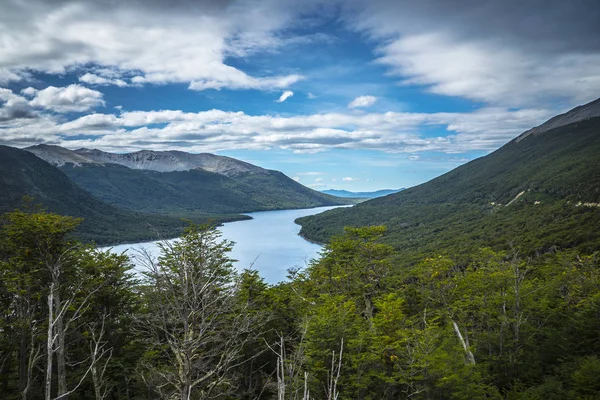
[
  {"x": 177, "y": 182},
  {"x": 22, "y": 173},
  {"x": 361, "y": 195},
  {"x": 538, "y": 192}
]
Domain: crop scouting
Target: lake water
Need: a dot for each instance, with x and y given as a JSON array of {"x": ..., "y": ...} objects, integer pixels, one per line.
[{"x": 269, "y": 243}]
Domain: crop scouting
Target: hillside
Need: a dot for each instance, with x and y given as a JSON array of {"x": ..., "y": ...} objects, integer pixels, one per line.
[
  {"x": 361, "y": 195},
  {"x": 22, "y": 173},
  {"x": 175, "y": 182},
  {"x": 539, "y": 192}
]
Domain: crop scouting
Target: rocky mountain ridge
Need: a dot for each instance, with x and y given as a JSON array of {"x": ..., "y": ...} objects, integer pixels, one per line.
[{"x": 160, "y": 161}]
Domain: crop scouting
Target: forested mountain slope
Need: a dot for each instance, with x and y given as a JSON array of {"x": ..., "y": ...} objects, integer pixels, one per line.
[
  {"x": 178, "y": 182},
  {"x": 539, "y": 192},
  {"x": 24, "y": 174}
]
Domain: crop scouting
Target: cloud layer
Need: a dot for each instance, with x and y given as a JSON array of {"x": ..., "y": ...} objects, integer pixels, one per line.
[
  {"x": 516, "y": 53},
  {"x": 25, "y": 122},
  {"x": 154, "y": 42}
]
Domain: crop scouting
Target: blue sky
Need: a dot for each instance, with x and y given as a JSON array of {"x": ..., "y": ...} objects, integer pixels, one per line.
[{"x": 336, "y": 94}]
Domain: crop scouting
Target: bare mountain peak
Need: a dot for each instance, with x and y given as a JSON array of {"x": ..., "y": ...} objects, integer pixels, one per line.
[
  {"x": 579, "y": 113},
  {"x": 58, "y": 156},
  {"x": 161, "y": 161}
]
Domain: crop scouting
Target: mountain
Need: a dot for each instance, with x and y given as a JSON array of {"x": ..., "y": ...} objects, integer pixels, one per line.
[
  {"x": 169, "y": 161},
  {"x": 24, "y": 174},
  {"x": 539, "y": 192},
  {"x": 361, "y": 195},
  {"x": 173, "y": 182},
  {"x": 581, "y": 113}
]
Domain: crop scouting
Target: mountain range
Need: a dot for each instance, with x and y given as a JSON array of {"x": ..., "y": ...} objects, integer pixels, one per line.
[
  {"x": 130, "y": 197},
  {"x": 361, "y": 195},
  {"x": 23, "y": 174},
  {"x": 539, "y": 192}
]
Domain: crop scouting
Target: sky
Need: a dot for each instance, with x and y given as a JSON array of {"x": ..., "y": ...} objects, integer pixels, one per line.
[{"x": 345, "y": 94}]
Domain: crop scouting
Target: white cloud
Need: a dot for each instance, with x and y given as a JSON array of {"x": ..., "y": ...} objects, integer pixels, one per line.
[
  {"x": 319, "y": 180},
  {"x": 349, "y": 179},
  {"x": 413, "y": 158},
  {"x": 239, "y": 80},
  {"x": 72, "y": 98},
  {"x": 140, "y": 42},
  {"x": 362, "y": 101},
  {"x": 14, "y": 107},
  {"x": 94, "y": 79},
  {"x": 311, "y": 173},
  {"x": 216, "y": 130},
  {"x": 296, "y": 178},
  {"x": 29, "y": 91},
  {"x": 284, "y": 96},
  {"x": 311, "y": 96},
  {"x": 491, "y": 52}
]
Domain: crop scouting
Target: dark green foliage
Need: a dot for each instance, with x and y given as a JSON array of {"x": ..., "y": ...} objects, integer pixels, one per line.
[
  {"x": 530, "y": 325},
  {"x": 468, "y": 207},
  {"x": 195, "y": 190},
  {"x": 23, "y": 174}
]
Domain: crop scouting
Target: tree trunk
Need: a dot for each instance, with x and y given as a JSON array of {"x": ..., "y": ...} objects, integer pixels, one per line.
[
  {"x": 23, "y": 365},
  {"x": 465, "y": 345},
  {"x": 60, "y": 356},
  {"x": 49, "y": 343}
]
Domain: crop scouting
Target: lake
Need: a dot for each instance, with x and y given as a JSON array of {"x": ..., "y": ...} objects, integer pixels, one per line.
[{"x": 269, "y": 243}]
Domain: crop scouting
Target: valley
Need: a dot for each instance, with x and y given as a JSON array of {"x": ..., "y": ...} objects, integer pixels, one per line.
[{"x": 299, "y": 200}]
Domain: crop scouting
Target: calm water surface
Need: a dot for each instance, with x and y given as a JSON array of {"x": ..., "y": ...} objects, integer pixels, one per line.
[{"x": 269, "y": 243}]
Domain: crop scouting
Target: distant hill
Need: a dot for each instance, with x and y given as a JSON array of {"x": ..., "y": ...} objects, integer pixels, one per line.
[
  {"x": 22, "y": 173},
  {"x": 539, "y": 192},
  {"x": 177, "y": 182},
  {"x": 361, "y": 195}
]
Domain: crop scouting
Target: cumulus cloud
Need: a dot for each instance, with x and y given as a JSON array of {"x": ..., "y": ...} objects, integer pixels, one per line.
[
  {"x": 143, "y": 42},
  {"x": 93, "y": 79},
  {"x": 14, "y": 107},
  {"x": 349, "y": 179},
  {"x": 284, "y": 96},
  {"x": 362, "y": 101},
  {"x": 72, "y": 98}
]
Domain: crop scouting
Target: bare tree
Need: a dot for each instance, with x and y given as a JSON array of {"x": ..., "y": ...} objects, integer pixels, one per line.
[
  {"x": 334, "y": 373},
  {"x": 289, "y": 370},
  {"x": 100, "y": 356},
  {"x": 62, "y": 313}
]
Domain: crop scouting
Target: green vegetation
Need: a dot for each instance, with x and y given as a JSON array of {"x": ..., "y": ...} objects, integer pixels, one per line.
[
  {"x": 194, "y": 190},
  {"x": 468, "y": 208},
  {"x": 356, "y": 324},
  {"x": 23, "y": 174},
  {"x": 457, "y": 298}
]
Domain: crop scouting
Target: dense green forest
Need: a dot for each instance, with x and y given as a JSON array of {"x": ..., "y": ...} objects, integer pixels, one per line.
[
  {"x": 182, "y": 191},
  {"x": 357, "y": 323}
]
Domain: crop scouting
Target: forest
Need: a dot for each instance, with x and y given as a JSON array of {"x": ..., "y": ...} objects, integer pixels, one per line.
[{"x": 357, "y": 323}]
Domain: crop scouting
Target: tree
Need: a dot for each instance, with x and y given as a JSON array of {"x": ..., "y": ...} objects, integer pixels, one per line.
[{"x": 196, "y": 326}]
